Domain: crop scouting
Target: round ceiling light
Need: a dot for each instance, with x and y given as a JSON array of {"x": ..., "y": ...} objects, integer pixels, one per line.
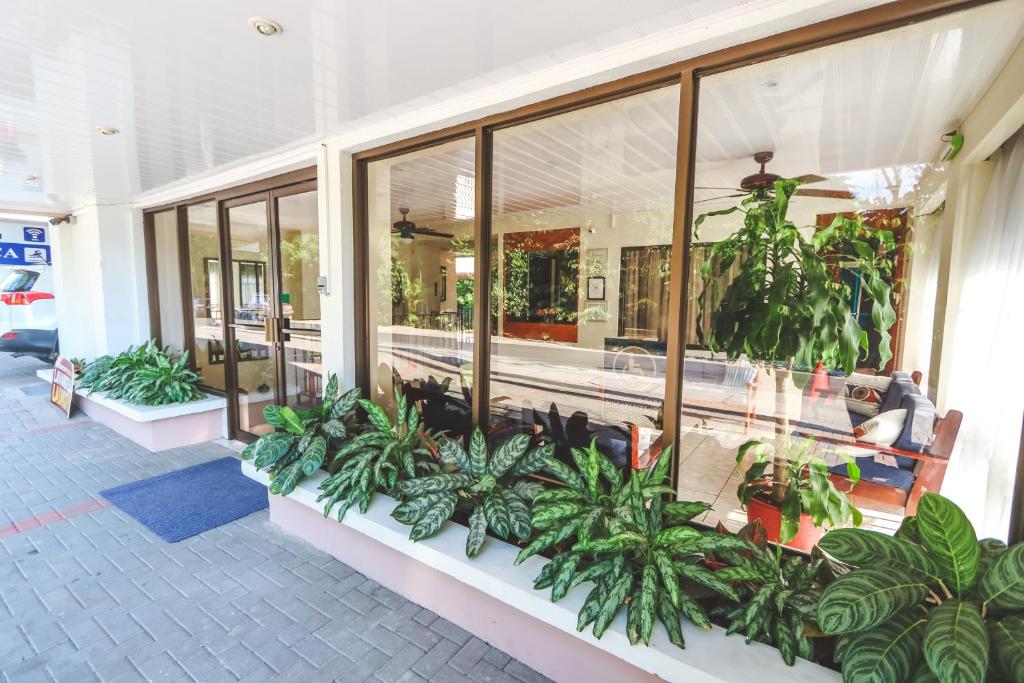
[
  {"x": 264, "y": 26},
  {"x": 107, "y": 130}
]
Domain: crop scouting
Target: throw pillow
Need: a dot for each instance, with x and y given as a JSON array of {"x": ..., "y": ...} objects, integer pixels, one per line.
[
  {"x": 883, "y": 429},
  {"x": 864, "y": 393}
]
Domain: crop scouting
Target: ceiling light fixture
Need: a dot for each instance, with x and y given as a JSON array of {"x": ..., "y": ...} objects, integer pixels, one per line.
[
  {"x": 31, "y": 178},
  {"x": 264, "y": 26},
  {"x": 107, "y": 130}
]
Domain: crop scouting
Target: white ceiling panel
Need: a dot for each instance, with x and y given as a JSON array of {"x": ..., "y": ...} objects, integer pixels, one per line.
[{"x": 193, "y": 88}]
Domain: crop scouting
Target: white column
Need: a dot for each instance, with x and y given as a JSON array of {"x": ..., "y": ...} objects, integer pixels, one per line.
[
  {"x": 337, "y": 304},
  {"x": 100, "y": 281}
]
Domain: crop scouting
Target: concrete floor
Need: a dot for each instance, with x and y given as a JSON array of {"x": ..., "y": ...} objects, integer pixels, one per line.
[{"x": 88, "y": 594}]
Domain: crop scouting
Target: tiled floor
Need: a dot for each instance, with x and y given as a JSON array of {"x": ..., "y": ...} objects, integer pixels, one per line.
[{"x": 86, "y": 593}]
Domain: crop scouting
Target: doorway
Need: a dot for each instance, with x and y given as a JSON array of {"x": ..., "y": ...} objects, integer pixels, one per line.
[{"x": 272, "y": 336}]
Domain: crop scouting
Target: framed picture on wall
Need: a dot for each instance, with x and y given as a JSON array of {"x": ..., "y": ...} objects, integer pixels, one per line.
[{"x": 595, "y": 288}]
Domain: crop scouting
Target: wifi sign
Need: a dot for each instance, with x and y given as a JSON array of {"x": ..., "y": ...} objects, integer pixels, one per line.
[{"x": 34, "y": 234}]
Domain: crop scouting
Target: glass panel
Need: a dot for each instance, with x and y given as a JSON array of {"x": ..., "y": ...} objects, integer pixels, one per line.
[
  {"x": 300, "y": 299},
  {"x": 582, "y": 232},
  {"x": 821, "y": 318},
  {"x": 254, "y": 358},
  {"x": 168, "y": 279},
  {"x": 421, "y": 266},
  {"x": 207, "y": 306}
]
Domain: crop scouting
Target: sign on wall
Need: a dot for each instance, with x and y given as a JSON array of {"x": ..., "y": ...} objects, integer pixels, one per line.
[{"x": 14, "y": 254}]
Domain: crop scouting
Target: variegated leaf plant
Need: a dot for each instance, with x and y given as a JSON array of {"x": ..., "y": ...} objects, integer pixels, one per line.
[
  {"x": 778, "y": 598},
  {"x": 386, "y": 453},
  {"x": 932, "y": 603},
  {"x": 631, "y": 543},
  {"x": 492, "y": 487},
  {"x": 304, "y": 439}
]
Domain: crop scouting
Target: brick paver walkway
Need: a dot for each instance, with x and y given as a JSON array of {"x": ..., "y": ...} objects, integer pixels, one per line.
[{"x": 87, "y": 593}]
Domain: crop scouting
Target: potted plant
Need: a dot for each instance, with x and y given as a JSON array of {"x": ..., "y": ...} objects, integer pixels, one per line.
[
  {"x": 810, "y": 499},
  {"x": 786, "y": 306}
]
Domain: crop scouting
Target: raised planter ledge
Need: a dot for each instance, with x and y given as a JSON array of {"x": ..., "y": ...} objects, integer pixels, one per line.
[
  {"x": 495, "y": 600},
  {"x": 156, "y": 428}
]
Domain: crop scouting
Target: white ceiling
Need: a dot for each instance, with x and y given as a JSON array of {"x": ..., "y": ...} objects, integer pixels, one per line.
[
  {"x": 868, "y": 114},
  {"x": 193, "y": 89}
]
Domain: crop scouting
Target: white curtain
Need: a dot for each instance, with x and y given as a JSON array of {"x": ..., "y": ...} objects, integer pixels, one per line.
[{"x": 986, "y": 379}]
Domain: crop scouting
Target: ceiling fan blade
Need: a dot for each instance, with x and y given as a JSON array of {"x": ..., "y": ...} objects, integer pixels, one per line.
[
  {"x": 714, "y": 199},
  {"x": 432, "y": 232},
  {"x": 698, "y": 187},
  {"x": 828, "y": 194},
  {"x": 810, "y": 178}
]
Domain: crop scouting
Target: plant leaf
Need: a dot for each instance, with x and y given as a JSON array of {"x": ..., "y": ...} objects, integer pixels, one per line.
[
  {"x": 477, "y": 453},
  {"x": 314, "y": 455},
  {"x": 451, "y": 453},
  {"x": 641, "y": 611},
  {"x": 1002, "y": 586},
  {"x": 860, "y": 547},
  {"x": 948, "y": 535},
  {"x": 956, "y": 642},
  {"x": 865, "y": 598},
  {"x": 477, "y": 531},
  {"x": 434, "y": 518},
  {"x": 291, "y": 421},
  {"x": 508, "y": 453},
  {"x": 887, "y": 653},
  {"x": 1007, "y": 645}
]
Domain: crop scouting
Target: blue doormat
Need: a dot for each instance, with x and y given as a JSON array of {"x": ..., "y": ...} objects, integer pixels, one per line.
[{"x": 186, "y": 502}]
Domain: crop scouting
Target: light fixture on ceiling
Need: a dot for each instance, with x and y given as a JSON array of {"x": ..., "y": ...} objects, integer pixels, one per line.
[
  {"x": 107, "y": 130},
  {"x": 771, "y": 84},
  {"x": 31, "y": 178},
  {"x": 264, "y": 26}
]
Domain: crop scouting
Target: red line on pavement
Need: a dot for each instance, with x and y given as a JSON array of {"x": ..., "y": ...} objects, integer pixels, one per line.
[{"x": 37, "y": 521}]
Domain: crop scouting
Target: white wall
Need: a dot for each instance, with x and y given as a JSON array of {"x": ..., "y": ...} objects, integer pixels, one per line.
[{"x": 100, "y": 276}]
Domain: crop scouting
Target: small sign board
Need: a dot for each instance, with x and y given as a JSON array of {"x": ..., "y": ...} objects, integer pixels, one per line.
[{"x": 62, "y": 386}]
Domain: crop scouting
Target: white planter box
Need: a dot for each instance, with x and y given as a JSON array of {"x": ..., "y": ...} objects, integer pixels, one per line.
[
  {"x": 156, "y": 428},
  {"x": 495, "y": 600}
]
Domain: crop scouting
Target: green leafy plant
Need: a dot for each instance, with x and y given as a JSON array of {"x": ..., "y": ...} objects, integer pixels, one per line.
[
  {"x": 492, "y": 487},
  {"x": 145, "y": 375},
  {"x": 932, "y": 603},
  {"x": 785, "y": 303},
  {"x": 379, "y": 458},
  {"x": 306, "y": 438},
  {"x": 778, "y": 598},
  {"x": 592, "y": 500},
  {"x": 633, "y": 546},
  {"x": 809, "y": 488}
]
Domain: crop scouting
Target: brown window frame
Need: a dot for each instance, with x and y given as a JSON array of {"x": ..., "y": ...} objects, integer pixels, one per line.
[{"x": 686, "y": 75}]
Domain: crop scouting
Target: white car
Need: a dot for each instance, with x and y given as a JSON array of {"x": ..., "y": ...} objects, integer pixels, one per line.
[{"x": 28, "y": 313}]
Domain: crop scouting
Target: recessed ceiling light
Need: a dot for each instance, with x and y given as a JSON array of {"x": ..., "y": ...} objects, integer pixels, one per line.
[
  {"x": 31, "y": 178},
  {"x": 107, "y": 130},
  {"x": 771, "y": 84},
  {"x": 264, "y": 26}
]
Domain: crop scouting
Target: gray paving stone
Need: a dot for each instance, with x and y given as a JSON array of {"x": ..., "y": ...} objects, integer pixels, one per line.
[{"x": 97, "y": 597}]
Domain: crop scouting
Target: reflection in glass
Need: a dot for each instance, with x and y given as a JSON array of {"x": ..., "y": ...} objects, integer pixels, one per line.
[
  {"x": 300, "y": 299},
  {"x": 867, "y": 220},
  {"x": 420, "y": 208},
  {"x": 582, "y": 231},
  {"x": 204, "y": 255},
  {"x": 254, "y": 358},
  {"x": 168, "y": 279}
]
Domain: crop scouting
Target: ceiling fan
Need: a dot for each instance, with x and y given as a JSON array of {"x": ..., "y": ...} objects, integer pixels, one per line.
[
  {"x": 407, "y": 230},
  {"x": 760, "y": 184}
]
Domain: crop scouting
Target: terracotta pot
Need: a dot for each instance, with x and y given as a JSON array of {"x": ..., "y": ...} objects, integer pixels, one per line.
[{"x": 771, "y": 519}]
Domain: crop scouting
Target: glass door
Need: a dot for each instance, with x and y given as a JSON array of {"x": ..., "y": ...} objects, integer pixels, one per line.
[
  {"x": 298, "y": 244},
  {"x": 252, "y": 330}
]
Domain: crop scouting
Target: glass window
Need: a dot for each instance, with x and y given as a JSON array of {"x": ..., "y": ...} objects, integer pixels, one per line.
[
  {"x": 813, "y": 309},
  {"x": 298, "y": 222},
  {"x": 168, "y": 279},
  {"x": 207, "y": 307},
  {"x": 421, "y": 269},
  {"x": 581, "y": 238}
]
